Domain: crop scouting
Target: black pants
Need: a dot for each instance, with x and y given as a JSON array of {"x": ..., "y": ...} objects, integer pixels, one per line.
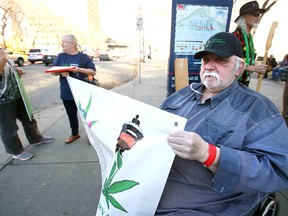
[
  {"x": 9, "y": 113},
  {"x": 71, "y": 110}
]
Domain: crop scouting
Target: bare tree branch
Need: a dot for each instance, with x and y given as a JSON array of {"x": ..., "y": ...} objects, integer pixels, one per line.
[
  {"x": 11, "y": 11},
  {"x": 265, "y": 4},
  {"x": 273, "y": 3}
]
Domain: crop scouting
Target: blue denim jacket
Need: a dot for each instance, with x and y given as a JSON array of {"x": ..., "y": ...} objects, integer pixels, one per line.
[{"x": 253, "y": 139}]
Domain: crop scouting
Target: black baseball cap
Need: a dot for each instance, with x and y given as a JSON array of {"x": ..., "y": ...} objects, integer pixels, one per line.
[
  {"x": 250, "y": 7},
  {"x": 222, "y": 44}
]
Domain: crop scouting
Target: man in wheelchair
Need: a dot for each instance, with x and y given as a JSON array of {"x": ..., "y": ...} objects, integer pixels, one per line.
[{"x": 233, "y": 152}]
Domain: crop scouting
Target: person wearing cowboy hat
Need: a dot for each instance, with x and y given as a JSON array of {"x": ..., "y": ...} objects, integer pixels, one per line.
[{"x": 249, "y": 17}]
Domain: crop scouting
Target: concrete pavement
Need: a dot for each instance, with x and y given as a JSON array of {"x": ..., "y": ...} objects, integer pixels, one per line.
[{"x": 65, "y": 179}]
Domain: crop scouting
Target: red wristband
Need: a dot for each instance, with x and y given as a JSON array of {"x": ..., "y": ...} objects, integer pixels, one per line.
[{"x": 212, "y": 155}]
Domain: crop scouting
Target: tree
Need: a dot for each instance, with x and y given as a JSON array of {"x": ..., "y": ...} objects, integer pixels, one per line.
[{"x": 12, "y": 12}]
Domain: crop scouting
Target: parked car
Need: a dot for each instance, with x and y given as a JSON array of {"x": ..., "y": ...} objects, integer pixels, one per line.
[
  {"x": 105, "y": 57},
  {"x": 17, "y": 58},
  {"x": 36, "y": 54},
  {"x": 49, "y": 58},
  {"x": 90, "y": 55}
]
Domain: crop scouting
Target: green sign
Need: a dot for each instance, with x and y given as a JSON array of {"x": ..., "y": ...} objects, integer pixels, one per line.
[{"x": 23, "y": 94}]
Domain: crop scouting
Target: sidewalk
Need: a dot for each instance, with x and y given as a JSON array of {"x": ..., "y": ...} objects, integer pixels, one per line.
[{"x": 65, "y": 179}]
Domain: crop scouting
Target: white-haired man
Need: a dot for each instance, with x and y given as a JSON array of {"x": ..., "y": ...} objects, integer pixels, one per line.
[{"x": 233, "y": 150}]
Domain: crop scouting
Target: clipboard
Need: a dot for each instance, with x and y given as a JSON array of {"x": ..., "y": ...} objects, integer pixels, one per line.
[{"x": 60, "y": 69}]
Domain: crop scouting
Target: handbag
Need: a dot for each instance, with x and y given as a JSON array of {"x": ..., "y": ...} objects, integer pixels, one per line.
[{"x": 92, "y": 81}]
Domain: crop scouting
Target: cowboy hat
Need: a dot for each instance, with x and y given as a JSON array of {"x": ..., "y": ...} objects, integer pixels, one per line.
[{"x": 248, "y": 8}]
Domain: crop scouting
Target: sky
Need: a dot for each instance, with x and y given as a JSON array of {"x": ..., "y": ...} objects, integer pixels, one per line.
[{"x": 118, "y": 18}]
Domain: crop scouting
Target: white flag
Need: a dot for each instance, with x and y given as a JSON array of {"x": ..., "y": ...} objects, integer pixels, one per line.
[{"x": 130, "y": 138}]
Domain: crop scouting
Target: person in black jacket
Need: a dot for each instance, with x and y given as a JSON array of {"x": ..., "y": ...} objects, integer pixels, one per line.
[{"x": 271, "y": 63}]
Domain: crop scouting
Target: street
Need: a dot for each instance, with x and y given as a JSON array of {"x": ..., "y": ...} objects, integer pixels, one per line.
[{"x": 43, "y": 88}]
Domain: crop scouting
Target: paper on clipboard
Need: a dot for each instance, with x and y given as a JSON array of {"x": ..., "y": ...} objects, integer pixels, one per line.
[{"x": 60, "y": 69}]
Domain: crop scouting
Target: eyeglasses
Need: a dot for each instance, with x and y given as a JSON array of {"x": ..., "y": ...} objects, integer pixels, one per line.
[{"x": 255, "y": 14}]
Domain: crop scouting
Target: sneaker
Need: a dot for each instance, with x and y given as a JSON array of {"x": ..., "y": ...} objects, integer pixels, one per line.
[
  {"x": 44, "y": 140},
  {"x": 72, "y": 139},
  {"x": 23, "y": 156}
]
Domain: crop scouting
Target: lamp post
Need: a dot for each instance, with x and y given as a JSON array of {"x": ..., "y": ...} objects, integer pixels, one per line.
[{"x": 139, "y": 26}]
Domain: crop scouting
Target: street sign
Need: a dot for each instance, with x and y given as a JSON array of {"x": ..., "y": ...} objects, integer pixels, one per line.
[{"x": 139, "y": 23}]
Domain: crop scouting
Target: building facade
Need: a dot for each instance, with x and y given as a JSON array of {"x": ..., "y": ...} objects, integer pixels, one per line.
[{"x": 44, "y": 22}]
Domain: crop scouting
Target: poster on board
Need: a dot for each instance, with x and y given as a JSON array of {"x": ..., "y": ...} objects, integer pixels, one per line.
[{"x": 193, "y": 22}]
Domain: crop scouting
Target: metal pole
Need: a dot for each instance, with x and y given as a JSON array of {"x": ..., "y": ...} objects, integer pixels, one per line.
[
  {"x": 139, "y": 60},
  {"x": 143, "y": 47},
  {"x": 139, "y": 28}
]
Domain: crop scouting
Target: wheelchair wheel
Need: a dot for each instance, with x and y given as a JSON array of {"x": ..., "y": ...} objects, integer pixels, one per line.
[{"x": 270, "y": 207}]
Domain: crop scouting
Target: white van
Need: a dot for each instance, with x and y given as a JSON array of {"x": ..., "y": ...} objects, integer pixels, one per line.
[{"x": 36, "y": 55}]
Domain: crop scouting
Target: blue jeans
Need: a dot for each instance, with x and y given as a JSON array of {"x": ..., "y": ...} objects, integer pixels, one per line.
[{"x": 277, "y": 72}]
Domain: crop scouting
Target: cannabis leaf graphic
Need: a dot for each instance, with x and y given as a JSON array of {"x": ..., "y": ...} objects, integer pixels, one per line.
[
  {"x": 116, "y": 187},
  {"x": 85, "y": 112}
]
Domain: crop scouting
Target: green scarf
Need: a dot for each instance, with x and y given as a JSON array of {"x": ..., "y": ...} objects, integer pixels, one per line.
[{"x": 249, "y": 59}]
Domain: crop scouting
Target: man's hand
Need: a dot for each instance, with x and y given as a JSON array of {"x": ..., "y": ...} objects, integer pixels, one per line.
[
  {"x": 76, "y": 70},
  {"x": 261, "y": 69},
  {"x": 19, "y": 71},
  {"x": 188, "y": 145},
  {"x": 3, "y": 59},
  {"x": 65, "y": 74}
]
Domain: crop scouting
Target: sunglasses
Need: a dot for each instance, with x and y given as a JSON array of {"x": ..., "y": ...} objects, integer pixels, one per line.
[{"x": 255, "y": 14}]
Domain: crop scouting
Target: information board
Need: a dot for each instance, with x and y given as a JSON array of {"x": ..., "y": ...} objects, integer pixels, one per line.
[{"x": 193, "y": 23}]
